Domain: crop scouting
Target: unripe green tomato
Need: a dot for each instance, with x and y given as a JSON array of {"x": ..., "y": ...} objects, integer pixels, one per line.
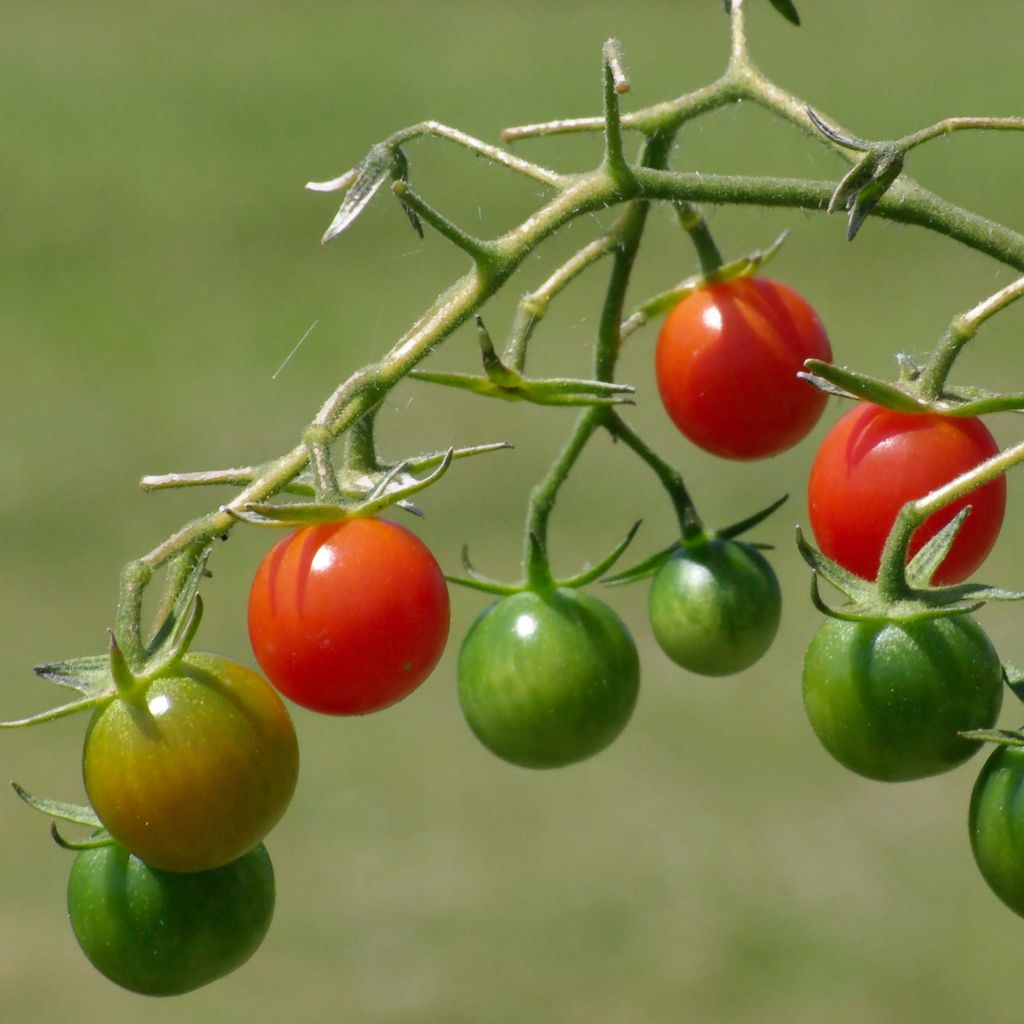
[
  {"x": 996, "y": 824},
  {"x": 548, "y": 679},
  {"x": 162, "y": 933},
  {"x": 197, "y": 770},
  {"x": 887, "y": 698},
  {"x": 715, "y": 608}
]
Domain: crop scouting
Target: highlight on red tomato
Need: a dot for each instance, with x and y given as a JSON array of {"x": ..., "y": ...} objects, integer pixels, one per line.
[
  {"x": 348, "y": 617},
  {"x": 726, "y": 365},
  {"x": 197, "y": 770},
  {"x": 874, "y": 460},
  {"x": 549, "y": 679},
  {"x": 163, "y": 933}
]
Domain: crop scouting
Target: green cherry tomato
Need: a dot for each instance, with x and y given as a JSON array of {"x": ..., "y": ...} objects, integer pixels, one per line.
[
  {"x": 197, "y": 770},
  {"x": 888, "y": 698},
  {"x": 715, "y": 607},
  {"x": 162, "y": 933},
  {"x": 996, "y": 824},
  {"x": 548, "y": 679}
]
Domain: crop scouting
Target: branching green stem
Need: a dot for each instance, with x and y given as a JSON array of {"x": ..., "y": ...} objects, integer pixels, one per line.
[
  {"x": 576, "y": 196},
  {"x": 694, "y": 223}
]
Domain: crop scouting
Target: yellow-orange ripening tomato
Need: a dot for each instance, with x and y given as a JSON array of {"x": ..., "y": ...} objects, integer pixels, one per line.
[
  {"x": 727, "y": 362},
  {"x": 197, "y": 770},
  {"x": 348, "y": 617}
]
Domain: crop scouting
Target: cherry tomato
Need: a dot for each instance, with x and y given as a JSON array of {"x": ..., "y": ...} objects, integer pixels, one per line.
[
  {"x": 996, "y": 824},
  {"x": 548, "y": 679},
  {"x": 715, "y": 607},
  {"x": 162, "y": 933},
  {"x": 873, "y": 461},
  {"x": 349, "y": 617},
  {"x": 195, "y": 771},
  {"x": 727, "y": 362},
  {"x": 887, "y": 698}
]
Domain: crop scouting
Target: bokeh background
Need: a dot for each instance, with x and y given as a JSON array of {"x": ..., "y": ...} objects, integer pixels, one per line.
[{"x": 159, "y": 260}]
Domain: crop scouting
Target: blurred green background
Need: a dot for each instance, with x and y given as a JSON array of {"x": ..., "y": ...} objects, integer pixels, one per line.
[{"x": 160, "y": 260}]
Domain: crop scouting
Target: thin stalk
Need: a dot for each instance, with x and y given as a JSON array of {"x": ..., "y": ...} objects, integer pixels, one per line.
[
  {"x": 961, "y": 330},
  {"x": 692, "y": 220},
  {"x": 949, "y": 125},
  {"x": 686, "y": 512},
  {"x": 892, "y": 583},
  {"x": 543, "y": 496}
]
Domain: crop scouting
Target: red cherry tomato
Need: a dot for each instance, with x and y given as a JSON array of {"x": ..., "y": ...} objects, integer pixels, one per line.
[
  {"x": 349, "y": 617},
  {"x": 873, "y": 461},
  {"x": 727, "y": 362}
]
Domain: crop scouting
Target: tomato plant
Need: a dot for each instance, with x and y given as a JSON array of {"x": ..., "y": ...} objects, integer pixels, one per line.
[
  {"x": 996, "y": 824},
  {"x": 715, "y": 608},
  {"x": 875, "y": 460},
  {"x": 195, "y": 769},
  {"x": 348, "y": 617},
  {"x": 190, "y": 759},
  {"x": 727, "y": 362},
  {"x": 163, "y": 933},
  {"x": 547, "y": 679},
  {"x": 887, "y": 699}
]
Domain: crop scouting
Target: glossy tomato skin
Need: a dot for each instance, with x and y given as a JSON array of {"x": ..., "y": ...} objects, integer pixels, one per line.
[
  {"x": 715, "y": 608},
  {"x": 546, "y": 680},
  {"x": 887, "y": 699},
  {"x": 996, "y": 824},
  {"x": 726, "y": 365},
  {"x": 163, "y": 933},
  {"x": 874, "y": 460},
  {"x": 349, "y": 617},
  {"x": 198, "y": 770}
]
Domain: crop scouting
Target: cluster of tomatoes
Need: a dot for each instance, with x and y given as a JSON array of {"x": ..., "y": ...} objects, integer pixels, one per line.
[
  {"x": 188, "y": 770},
  {"x": 888, "y": 695}
]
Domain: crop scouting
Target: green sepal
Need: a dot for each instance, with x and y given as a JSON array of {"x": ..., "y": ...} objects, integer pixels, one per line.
[
  {"x": 923, "y": 565},
  {"x": 787, "y": 9},
  {"x": 851, "y": 384},
  {"x": 175, "y": 633},
  {"x": 75, "y": 813},
  {"x": 648, "y": 567},
  {"x": 839, "y": 138},
  {"x": 1004, "y": 737},
  {"x": 971, "y": 401},
  {"x": 94, "y": 842},
  {"x": 976, "y": 593},
  {"x": 855, "y": 588},
  {"x": 1014, "y": 679},
  {"x": 293, "y": 515},
  {"x": 511, "y": 386},
  {"x": 741, "y": 527},
  {"x": 475, "y": 580},
  {"x": 400, "y": 172},
  {"x": 598, "y": 570},
  {"x": 742, "y": 266},
  {"x": 380, "y": 164},
  {"x": 886, "y": 168},
  {"x": 90, "y": 676},
  {"x": 360, "y": 482},
  {"x": 392, "y": 487}
]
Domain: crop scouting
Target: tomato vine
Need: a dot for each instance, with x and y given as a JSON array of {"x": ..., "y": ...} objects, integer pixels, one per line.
[{"x": 547, "y": 675}]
